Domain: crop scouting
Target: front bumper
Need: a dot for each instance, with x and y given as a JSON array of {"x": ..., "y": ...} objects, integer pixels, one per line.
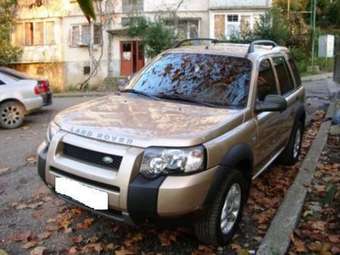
[{"x": 131, "y": 196}]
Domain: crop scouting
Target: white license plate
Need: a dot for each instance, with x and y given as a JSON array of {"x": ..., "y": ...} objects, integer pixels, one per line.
[{"x": 84, "y": 194}]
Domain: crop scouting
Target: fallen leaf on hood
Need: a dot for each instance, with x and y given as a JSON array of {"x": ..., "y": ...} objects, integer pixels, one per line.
[{"x": 40, "y": 250}]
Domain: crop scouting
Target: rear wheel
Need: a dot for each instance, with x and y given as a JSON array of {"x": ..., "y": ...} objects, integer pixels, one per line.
[
  {"x": 221, "y": 220},
  {"x": 292, "y": 152},
  {"x": 11, "y": 114}
]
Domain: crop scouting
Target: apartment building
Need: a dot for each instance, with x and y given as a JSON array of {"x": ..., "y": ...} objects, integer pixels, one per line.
[{"x": 55, "y": 36}]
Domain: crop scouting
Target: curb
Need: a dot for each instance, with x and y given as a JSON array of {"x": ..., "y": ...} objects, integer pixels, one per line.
[
  {"x": 277, "y": 238},
  {"x": 317, "y": 77},
  {"x": 82, "y": 94}
]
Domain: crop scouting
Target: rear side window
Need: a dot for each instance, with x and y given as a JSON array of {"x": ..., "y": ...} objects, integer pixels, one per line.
[
  {"x": 266, "y": 83},
  {"x": 285, "y": 79},
  {"x": 295, "y": 71}
]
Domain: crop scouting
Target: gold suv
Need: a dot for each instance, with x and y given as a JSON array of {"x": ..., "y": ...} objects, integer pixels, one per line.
[{"x": 184, "y": 138}]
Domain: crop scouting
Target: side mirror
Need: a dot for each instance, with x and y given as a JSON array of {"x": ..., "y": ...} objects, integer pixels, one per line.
[{"x": 272, "y": 103}]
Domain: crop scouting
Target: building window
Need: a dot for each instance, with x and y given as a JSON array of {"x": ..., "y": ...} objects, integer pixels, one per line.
[
  {"x": 186, "y": 28},
  {"x": 34, "y": 33},
  {"x": 81, "y": 35},
  {"x": 232, "y": 18},
  {"x": 28, "y": 33},
  {"x": 232, "y": 25},
  {"x": 133, "y": 6}
]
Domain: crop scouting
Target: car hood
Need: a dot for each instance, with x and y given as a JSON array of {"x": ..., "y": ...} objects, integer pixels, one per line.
[{"x": 140, "y": 121}]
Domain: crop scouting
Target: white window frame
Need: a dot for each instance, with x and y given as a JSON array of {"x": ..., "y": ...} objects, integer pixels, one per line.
[{"x": 80, "y": 43}]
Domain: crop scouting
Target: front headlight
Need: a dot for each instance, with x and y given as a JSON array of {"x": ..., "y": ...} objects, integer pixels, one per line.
[
  {"x": 52, "y": 129},
  {"x": 159, "y": 161}
]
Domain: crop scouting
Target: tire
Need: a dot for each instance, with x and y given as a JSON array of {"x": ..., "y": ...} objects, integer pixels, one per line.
[
  {"x": 292, "y": 151},
  {"x": 11, "y": 115},
  {"x": 208, "y": 228}
]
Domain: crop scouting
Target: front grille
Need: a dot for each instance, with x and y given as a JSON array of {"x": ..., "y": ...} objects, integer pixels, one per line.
[{"x": 93, "y": 157}]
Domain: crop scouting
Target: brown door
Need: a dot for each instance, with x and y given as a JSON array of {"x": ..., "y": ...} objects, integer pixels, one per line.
[
  {"x": 132, "y": 57},
  {"x": 126, "y": 58},
  {"x": 140, "y": 56}
]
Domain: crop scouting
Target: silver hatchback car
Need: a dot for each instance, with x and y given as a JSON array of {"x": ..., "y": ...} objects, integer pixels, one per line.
[{"x": 20, "y": 95}]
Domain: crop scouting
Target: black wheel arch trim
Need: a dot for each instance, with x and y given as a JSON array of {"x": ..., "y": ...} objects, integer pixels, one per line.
[
  {"x": 240, "y": 155},
  {"x": 300, "y": 114}
]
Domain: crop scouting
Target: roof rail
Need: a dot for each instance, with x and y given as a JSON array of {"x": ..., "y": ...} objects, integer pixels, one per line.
[
  {"x": 252, "y": 45},
  {"x": 180, "y": 43}
]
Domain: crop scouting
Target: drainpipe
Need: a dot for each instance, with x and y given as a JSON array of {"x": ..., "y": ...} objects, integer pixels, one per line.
[{"x": 109, "y": 56}]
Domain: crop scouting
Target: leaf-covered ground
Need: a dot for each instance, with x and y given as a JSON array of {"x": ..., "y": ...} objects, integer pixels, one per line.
[
  {"x": 45, "y": 224},
  {"x": 319, "y": 228}
]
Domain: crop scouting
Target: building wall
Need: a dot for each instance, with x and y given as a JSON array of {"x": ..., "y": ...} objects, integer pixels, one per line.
[
  {"x": 63, "y": 64},
  {"x": 54, "y": 72},
  {"x": 237, "y": 4}
]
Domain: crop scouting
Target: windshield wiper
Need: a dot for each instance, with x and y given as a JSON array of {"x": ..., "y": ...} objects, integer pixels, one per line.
[
  {"x": 137, "y": 92},
  {"x": 189, "y": 100}
]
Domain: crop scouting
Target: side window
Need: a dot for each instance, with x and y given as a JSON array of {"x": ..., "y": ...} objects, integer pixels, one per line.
[
  {"x": 285, "y": 79},
  {"x": 295, "y": 71},
  {"x": 1, "y": 82},
  {"x": 266, "y": 83}
]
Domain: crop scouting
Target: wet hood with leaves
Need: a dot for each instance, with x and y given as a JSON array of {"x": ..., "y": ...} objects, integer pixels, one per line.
[{"x": 137, "y": 120}]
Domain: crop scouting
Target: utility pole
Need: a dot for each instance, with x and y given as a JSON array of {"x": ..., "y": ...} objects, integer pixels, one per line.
[
  {"x": 313, "y": 24},
  {"x": 288, "y": 8}
]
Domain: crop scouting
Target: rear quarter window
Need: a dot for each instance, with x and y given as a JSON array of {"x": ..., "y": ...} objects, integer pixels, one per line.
[
  {"x": 284, "y": 76},
  {"x": 295, "y": 71}
]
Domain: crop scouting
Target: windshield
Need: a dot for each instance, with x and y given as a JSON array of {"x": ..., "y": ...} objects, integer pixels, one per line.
[{"x": 205, "y": 79}]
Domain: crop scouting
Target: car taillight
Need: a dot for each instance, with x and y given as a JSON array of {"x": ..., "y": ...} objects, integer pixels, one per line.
[{"x": 41, "y": 88}]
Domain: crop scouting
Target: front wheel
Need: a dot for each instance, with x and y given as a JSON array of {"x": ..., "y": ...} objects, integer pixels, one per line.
[
  {"x": 11, "y": 115},
  {"x": 221, "y": 220}
]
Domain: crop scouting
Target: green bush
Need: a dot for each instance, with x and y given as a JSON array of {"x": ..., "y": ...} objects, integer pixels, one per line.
[{"x": 155, "y": 35}]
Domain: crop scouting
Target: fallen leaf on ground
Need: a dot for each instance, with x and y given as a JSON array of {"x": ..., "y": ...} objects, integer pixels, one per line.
[
  {"x": 22, "y": 236},
  {"x": 77, "y": 239},
  {"x": 3, "y": 252},
  {"x": 44, "y": 236},
  {"x": 334, "y": 238},
  {"x": 4, "y": 170},
  {"x": 73, "y": 250},
  {"x": 123, "y": 251},
  {"x": 31, "y": 159},
  {"x": 30, "y": 245},
  {"x": 40, "y": 250}
]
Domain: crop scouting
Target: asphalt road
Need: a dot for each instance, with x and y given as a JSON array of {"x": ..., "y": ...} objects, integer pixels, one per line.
[{"x": 20, "y": 186}]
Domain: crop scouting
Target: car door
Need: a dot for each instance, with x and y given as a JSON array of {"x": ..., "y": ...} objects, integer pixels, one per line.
[
  {"x": 287, "y": 89},
  {"x": 267, "y": 122}
]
